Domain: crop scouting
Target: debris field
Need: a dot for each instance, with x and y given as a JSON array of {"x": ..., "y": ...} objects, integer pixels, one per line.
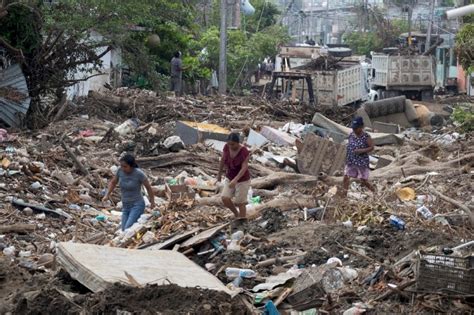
[{"x": 303, "y": 249}]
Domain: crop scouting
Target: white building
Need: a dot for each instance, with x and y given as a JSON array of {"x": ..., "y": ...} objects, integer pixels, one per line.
[{"x": 110, "y": 73}]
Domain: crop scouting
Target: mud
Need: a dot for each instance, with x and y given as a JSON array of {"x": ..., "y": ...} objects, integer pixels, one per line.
[
  {"x": 169, "y": 299},
  {"x": 383, "y": 244}
]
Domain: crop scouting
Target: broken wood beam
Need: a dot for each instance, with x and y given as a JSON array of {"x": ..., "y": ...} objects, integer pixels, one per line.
[
  {"x": 78, "y": 163},
  {"x": 282, "y": 178},
  {"x": 17, "y": 228},
  {"x": 38, "y": 208},
  {"x": 283, "y": 259}
]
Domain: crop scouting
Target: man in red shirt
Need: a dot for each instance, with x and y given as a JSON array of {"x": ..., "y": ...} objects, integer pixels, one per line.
[{"x": 235, "y": 159}]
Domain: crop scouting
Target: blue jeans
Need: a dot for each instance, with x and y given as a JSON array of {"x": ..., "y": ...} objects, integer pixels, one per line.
[{"x": 131, "y": 214}]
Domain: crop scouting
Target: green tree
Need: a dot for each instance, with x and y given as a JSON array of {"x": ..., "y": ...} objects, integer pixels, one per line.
[{"x": 465, "y": 46}]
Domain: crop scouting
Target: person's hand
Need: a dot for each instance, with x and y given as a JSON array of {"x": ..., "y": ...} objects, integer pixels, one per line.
[
  {"x": 232, "y": 184},
  {"x": 152, "y": 205},
  {"x": 359, "y": 151},
  {"x": 106, "y": 197}
]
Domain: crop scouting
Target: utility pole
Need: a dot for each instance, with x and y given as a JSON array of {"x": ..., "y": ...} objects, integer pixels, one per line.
[
  {"x": 430, "y": 25},
  {"x": 223, "y": 49},
  {"x": 410, "y": 13},
  {"x": 326, "y": 28}
]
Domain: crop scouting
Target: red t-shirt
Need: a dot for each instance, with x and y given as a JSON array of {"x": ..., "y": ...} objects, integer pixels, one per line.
[{"x": 234, "y": 165}]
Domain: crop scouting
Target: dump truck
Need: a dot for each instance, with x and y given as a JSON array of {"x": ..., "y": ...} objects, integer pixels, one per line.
[
  {"x": 323, "y": 76},
  {"x": 409, "y": 75}
]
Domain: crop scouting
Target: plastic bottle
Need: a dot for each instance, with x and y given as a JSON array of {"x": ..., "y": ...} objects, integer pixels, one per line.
[
  {"x": 237, "y": 272},
  {"x": 238, "y": 235},
  {"x": 425, "y": 212},
  {"x": 9, "y": 251},
  {"x": 237, "y": 282}
]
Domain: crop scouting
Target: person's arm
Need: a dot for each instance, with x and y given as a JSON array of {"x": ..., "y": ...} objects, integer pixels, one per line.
[
  {"x": 221, "y": 169},
  {"x": 113, "y": 183},
  {"x": 243, "y": 169},
  {"x": 370, "y": 147},
  {"x": 149, "y": 190}
]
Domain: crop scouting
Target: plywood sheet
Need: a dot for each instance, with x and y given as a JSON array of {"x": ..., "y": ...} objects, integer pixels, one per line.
[
  {"x": 173, "y": 240},
  {"x": 203, "y": 236},
  {"x": 96, "y": 267}
]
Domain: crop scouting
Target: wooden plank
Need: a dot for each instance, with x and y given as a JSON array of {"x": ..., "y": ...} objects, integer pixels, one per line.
[
  {"x": 173, "y": 240},
  {"x": 97, "y": 267},
  {"x": 203, "y": 236}
]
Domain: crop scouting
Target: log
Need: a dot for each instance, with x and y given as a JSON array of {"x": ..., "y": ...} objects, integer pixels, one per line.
[
  {"x": 456, "y": 203},
  {"x": 207, "y": 162},
  {"x": 411, "y": 167},
  {"x": 115, "y": 102},
  {"x": 17, "y": 228},
  {"x": 282, "y": 178},
  {"x": 78, "y": 163},
  {"x": 285, "y": 203}
]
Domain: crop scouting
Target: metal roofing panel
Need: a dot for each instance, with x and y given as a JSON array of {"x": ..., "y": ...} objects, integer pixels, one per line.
[{"x": 12, "y": 110}]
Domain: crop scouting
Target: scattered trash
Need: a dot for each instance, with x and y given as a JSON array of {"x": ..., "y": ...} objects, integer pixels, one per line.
[
  {"x": 396, "y": 222},
  {"x": 406, "y": 194},
  {"x": 425, "y": 212}
]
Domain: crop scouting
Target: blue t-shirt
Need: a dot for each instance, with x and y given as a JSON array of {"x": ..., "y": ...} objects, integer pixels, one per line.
[{"x": 131, "y": 186}]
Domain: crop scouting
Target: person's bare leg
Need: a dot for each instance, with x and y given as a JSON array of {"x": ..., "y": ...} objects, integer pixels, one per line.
[
  {"x": 367, "y": 184},
  {"x": 345, "y": 186},
  {"x": 243, "y": 211},
  {"x": 229, "y": 204}
]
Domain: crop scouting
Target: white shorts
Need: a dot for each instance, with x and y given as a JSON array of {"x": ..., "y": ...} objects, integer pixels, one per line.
[{"x": 239, "y": 193}]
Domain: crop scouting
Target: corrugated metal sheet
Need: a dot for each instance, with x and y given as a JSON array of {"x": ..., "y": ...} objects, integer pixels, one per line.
[{"x": 12, "y": 112}]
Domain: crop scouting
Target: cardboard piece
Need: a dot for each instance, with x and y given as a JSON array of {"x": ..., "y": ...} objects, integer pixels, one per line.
[
  {"x": 97, "y": 267},
  {"x": 320, "y": 155}
]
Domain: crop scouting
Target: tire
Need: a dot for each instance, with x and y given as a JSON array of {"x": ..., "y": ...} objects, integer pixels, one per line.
[{"x": 340, "y": 52}]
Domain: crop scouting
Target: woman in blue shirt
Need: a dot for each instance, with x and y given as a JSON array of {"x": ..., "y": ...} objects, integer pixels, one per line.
[{"x": 130, "y": 179}]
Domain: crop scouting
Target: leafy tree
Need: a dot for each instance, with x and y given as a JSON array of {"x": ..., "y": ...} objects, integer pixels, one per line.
[
  {"x": 363, "y": 43},
  {"x": 465, "y": 46},
  {"x": 55, "y": 41}
]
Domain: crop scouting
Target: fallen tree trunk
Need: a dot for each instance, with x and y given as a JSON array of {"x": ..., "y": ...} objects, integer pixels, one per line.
[
  {"x": 115, "y": 102},
  {"x": 411, "y": 166},
  {"x": 285, "y": 203},
  {"x": 281, "y": 178},
  {"x": 17, "y": 228},
  {"x": 205, "y": 162}
]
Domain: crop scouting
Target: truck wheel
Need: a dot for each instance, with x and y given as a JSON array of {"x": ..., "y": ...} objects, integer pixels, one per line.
[
  {"x": 427, "y": 95},
  {"x": 340, "y": 52}
]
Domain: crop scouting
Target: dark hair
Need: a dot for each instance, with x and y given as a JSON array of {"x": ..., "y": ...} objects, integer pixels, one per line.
[
  {"x": 130, "y": 160},
  {"x": 177, "y": 54},
  {"x": 234, "y": 137}
]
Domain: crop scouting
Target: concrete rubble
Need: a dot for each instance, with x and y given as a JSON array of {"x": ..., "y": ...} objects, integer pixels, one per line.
[{"x": 303, "y": 249}]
